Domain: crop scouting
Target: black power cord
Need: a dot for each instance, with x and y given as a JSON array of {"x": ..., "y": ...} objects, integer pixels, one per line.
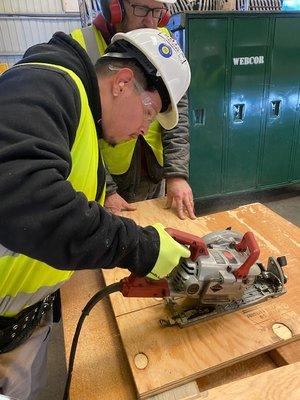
[{"x": 115, "y": 287}]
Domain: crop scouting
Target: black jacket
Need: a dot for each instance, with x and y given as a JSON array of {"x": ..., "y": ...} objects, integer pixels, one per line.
[{"x": 41, "y": 215}]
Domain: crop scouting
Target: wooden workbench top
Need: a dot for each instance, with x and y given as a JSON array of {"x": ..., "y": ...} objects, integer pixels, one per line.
[
  {"x": 102, "y": 370},
  {"x": 278, "y": 384}
]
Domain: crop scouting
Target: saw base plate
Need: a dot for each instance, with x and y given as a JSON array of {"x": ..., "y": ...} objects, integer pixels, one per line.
[{"x": 185, "y": 312}]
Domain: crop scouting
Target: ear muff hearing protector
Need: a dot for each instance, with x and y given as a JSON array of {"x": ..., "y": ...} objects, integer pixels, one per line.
[
  {"x": 164, "y": 19},
  {"x": 113, "y": 11},
  {"x": 116, "y": 8}
]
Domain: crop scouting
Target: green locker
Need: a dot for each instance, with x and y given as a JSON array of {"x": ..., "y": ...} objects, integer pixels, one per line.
[
  {"x": 206, "y": 114},
  {"x": 247, "y": 73},
  {"x": 296, "y": 168},
  {"x": 282, "y": 104},
  {"x": 244, "y": 99}
]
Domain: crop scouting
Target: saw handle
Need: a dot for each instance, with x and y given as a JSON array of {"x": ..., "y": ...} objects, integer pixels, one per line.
[
  {"x": 248, "y": 242},
  {"x": 196, "y": 243},
  {"x": 134, "y": 286}
]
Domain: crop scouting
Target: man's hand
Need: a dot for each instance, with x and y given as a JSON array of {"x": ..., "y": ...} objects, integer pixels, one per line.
[
  {"x": 170, "y": 253},
  {"x": 115, "y": 204},
  {"x": 180, "y": 193}
]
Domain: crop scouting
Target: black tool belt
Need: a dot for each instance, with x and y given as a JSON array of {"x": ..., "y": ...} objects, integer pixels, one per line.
[{"x": 15, "y": 330}]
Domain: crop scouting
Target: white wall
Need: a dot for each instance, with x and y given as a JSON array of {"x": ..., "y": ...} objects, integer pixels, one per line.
[
  {"x": 34, "y": 6},
  {"x": 24, "y": 23}
]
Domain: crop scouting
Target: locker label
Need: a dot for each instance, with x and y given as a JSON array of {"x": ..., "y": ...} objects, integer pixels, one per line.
[{"x": 253, "y": 60}]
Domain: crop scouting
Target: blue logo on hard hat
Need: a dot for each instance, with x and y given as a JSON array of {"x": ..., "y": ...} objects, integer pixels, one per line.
[{"x": 165, "y": 50}]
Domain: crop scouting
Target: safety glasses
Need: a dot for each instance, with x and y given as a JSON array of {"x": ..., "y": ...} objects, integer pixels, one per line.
[
  {"x": 150, "y": 112},
  {"x": 143, "y": 11}
]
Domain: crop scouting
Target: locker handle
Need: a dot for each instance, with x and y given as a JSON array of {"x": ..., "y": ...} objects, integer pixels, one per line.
[
  {"x": 275, "y": 108},
  {"x": 239, "y": 112},
  {"x": 199, "y": 116}
]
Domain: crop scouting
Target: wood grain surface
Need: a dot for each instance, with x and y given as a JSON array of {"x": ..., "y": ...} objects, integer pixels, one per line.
[
  {"x": 278, "y": 384},
  {"x": 240, "y": 370},
  {"x": 176, "y": 356},
  {"x": 101, "y": 369},
  {"x": 179, "y": 355},
  {"x": 287, "y": 354}
]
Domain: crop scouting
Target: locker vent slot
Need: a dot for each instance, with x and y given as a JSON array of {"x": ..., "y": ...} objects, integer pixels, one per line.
[
  {"x": 199, "y": 116},
  {"x": 238, "y": 112},
  {"x": 275, "y": 108}
]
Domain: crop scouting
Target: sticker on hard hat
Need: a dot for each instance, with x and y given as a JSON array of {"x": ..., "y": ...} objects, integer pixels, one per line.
[
  {"x": 173, "y": 45},
  {"x": 165, "y": 50}
]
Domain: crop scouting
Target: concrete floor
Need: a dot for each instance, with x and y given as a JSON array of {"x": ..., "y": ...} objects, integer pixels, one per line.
[{"x": 285, "y": 202}]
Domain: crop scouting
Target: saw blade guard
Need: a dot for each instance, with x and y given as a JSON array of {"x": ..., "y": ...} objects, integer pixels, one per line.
[
  {"x": 214, "y": 271},
  {"x": 246, "y": 243}
]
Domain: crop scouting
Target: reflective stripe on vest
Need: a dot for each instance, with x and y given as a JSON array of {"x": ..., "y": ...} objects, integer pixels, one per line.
[
  {"x": 23, "y": 280},
  {"x": 91, "y": 40},
  {"x": 118, "y": 158}
]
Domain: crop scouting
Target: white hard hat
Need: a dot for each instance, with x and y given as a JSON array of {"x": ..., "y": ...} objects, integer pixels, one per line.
[{"x": 163, "y": 62}]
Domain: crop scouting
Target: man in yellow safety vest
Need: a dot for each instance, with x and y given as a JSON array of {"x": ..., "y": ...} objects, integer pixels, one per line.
[
  {"x": 148, "y": 166},
  {"x": 55, "y": 105}
]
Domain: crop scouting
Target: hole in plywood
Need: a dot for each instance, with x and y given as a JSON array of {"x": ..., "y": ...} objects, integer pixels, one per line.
[
  {"x": 141, "y": 360},
  {"x": 282, "y": 331}
]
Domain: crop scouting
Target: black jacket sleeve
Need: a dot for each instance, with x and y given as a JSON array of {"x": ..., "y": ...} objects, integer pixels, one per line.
[{"x": 41, "y": 215}]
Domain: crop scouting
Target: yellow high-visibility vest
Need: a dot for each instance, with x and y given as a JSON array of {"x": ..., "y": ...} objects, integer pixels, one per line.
[{"x": 23, "y": 280}]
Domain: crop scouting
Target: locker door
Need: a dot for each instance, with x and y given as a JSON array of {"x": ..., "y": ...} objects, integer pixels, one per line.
[
  {"x": 282, "y": 105},
  {"x": 296, "y": 158},
  {"x": 206, "y": 53},
  {"x": 247, "y": 66}
]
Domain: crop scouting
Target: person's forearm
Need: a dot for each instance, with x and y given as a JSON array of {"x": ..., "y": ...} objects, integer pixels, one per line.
[
  {"x": 176, "y": 145},
  {"x": 111, "y": 186}
]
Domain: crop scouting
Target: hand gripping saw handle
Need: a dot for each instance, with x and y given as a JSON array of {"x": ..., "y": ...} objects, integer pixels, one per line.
[{"x": 133, "y": 286}]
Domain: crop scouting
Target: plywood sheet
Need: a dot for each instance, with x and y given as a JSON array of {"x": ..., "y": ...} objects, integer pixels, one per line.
[
  {"x": 101, "y": 369},
  {"x": 288, "y": 354},
  {"x": 180, "y": 355},
  {"x": 237, "y": 371},
  {"x": 278, "y": 384},
  {"x": 189, "y": 391}
]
